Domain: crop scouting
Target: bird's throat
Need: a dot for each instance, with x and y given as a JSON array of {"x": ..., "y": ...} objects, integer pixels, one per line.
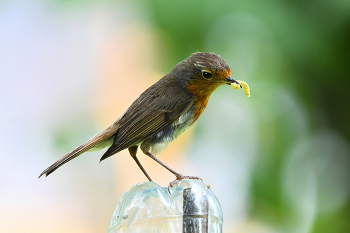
[{"x": 201, "y": 93}]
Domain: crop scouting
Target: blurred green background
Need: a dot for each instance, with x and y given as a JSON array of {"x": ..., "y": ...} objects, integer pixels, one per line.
[{"x": 278, "y": 161}]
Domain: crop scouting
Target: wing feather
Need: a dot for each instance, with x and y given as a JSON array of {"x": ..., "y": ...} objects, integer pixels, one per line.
[{"x": 148, "y": 118}]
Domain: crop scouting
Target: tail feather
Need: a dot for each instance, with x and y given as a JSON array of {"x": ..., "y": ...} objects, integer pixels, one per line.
[{"x": 100, "y": 138}]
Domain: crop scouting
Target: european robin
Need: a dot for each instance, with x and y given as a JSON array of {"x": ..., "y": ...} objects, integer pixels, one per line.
[{"x": 161, "y": 113}]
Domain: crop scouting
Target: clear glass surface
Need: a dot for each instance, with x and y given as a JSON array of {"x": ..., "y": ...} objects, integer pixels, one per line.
[{"x": 147, "y": 207}]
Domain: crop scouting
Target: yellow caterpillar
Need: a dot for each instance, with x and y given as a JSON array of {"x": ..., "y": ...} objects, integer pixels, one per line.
[{"x": 244, "y": 85}]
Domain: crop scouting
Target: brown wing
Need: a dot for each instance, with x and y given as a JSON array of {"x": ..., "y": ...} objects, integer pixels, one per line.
[{"x": 156, "y": 109}]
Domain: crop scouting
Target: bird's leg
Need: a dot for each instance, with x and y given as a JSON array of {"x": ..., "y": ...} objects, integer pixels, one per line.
[
  {"x": 132, "y": 151},
  {"x": 178, "y": 175}
]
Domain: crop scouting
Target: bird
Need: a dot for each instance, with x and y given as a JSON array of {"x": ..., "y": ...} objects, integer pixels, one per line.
[{"x": 161, "y": 113}]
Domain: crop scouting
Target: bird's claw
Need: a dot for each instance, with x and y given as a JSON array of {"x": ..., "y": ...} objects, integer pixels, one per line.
[
  {"x": 178, "y": 178},
  {"x": 184, "y": 177}
]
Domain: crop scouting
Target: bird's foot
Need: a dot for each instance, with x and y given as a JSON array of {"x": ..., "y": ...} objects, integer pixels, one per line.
[{"x": 181, "y": 177}]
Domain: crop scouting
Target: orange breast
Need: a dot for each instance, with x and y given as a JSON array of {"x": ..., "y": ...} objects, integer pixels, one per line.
[
  {"x": 201, "y": 104},
  {"x": 201, "y": 91}
]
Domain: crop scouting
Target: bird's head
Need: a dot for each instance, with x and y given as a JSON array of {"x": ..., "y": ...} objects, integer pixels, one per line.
[{"x": 203, "y": 73}]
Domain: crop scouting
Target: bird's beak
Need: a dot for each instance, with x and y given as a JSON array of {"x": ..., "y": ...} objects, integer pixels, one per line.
[{"x": 230, "y": 80}]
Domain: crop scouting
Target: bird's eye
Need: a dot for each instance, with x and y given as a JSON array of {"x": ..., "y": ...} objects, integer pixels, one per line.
[{"x": 206, "y": 74}]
